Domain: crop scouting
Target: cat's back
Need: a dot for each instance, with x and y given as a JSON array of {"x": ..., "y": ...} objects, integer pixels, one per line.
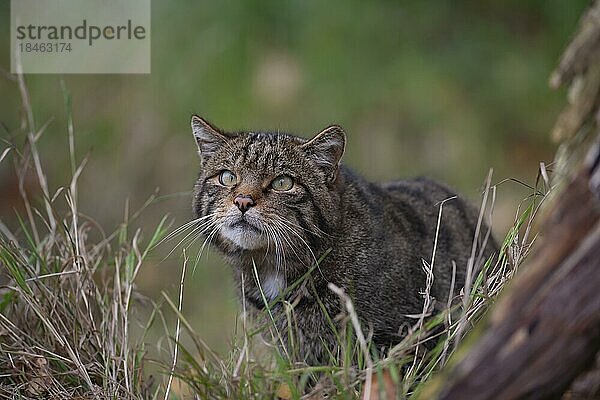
[
  {"x": 418, "y": 190},
  {"x": 412, "y": 205},
  {"x": 417, "y": 203},
  {"x": 424, "y": 196}
]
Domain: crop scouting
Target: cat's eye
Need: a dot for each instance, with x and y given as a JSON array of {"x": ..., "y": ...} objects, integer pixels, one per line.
[
  {"x": 227, "y": 178},
  {"x": 282, "y": 183}
]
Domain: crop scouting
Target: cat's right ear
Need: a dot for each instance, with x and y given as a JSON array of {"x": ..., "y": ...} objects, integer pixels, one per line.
[
  {"x": 208, "y": 137},
  {"x": 326, "y": 149}
]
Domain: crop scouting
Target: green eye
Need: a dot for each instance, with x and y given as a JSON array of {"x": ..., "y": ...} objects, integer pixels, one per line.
[
  {"x": 227, "y": 178},
  {"x": 282, "y": 183}
]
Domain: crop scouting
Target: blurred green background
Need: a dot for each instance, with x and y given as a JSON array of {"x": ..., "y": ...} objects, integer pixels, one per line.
[{"x": 446, "y": 89}]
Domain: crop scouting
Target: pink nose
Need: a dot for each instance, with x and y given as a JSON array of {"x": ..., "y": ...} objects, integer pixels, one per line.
[{"x": 244, "y": 202}]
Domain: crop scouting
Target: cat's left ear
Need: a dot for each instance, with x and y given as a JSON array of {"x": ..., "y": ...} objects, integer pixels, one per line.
[{"x": 327, "y": 149}]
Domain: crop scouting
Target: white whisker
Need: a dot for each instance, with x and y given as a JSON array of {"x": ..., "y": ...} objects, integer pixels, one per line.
[
  {"x": 201, "y": 227},
  {"x": 208, "y": 240},
  {"x": 183, "y": 227},
  {"x": 291, "y": 230}
]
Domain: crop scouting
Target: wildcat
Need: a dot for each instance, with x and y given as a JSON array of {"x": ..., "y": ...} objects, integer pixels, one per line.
[{"x": 274, "y": 204}]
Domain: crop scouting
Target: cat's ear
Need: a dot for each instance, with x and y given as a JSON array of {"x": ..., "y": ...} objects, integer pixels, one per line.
[
  {"x": 208, "y": 137},
  {"x": 327, "y": 149}
]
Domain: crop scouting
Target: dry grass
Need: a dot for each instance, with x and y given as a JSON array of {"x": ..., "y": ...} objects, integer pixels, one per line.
[
  {"x": 67, "y": 302},
  {"x": 68, "y": 305}
]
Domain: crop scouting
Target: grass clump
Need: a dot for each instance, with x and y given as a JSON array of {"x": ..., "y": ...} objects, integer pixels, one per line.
[
  {"x": 63, "y": 334},
  {"x": 67, "y": 301}
]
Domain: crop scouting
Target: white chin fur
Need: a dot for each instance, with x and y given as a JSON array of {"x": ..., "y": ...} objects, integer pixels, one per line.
[{"x": 245, "y": 238}]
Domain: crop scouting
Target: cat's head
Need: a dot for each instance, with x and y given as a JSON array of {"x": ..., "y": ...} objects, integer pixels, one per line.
[{"x": 271, "y": 191}]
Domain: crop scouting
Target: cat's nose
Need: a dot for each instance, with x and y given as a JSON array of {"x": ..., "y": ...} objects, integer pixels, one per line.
[{"x": 244, "y": 202}]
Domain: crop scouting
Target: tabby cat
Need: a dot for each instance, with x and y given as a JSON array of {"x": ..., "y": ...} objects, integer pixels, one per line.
[{"x": 275, "y": 204}]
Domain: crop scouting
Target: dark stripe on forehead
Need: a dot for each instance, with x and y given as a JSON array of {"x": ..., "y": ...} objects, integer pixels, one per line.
[
  {"x": 245, "y": 151},
  {"x": 262, "y": 154},
  {"x": 254, "y": 154}
]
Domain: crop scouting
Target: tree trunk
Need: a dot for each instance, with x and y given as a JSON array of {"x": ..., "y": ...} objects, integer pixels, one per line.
[{"x": 542, "y": 338}]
